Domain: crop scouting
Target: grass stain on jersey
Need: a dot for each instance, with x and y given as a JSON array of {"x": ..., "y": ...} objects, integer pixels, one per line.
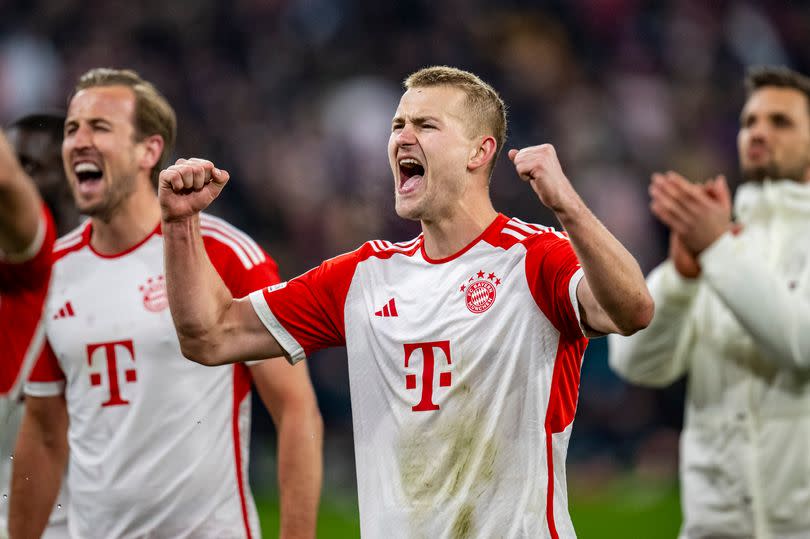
[
  {"x": 463, "y": 525},
  {"x": 448, "y": 460}
]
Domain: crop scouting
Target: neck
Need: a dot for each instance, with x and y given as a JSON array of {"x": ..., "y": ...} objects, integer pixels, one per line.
[
  {"x": 446, "y": 236},
  {"x": 131, "y": 222}
]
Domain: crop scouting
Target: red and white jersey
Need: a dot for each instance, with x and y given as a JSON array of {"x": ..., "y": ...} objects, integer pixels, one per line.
[
  {"x": 158, "y": 444},
  {"x": 23, "y": 289},
  {"x": 464, "y": 377}
]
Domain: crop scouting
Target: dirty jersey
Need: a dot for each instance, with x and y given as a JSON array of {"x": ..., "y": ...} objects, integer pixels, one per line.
[{"x": 464, "y": 377}]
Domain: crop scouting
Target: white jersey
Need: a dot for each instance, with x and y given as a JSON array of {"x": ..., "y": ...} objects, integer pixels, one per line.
[
  {"x": 158, "y": 444},
  {"x": 464, "y": 377}
]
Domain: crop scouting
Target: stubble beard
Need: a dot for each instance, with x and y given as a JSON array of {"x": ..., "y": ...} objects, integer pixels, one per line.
[
  {"x": 772, "y": 171},
  {"x": 118, "y": 191}
]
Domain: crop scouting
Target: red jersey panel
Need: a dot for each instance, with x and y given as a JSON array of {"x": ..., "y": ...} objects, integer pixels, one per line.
[{"x": 23, "y": 288}]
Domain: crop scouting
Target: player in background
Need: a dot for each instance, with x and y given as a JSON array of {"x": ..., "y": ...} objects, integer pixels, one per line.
[
  {"x": 733, "y": 315},
  {"x": 158, "y": 445},
  {"x": 37, "y": 142},
  {"x": 464, "y": 344}
]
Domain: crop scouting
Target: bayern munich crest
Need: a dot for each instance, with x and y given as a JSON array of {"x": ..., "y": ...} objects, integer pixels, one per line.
[
  {"x": 480, "y": 291},
  {"x": 155, "y": 298}
]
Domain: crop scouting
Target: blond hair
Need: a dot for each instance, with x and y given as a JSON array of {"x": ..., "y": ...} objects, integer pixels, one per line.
[
  {"x": 487, "y": 109},
  {"x": 153, "y": 113}
]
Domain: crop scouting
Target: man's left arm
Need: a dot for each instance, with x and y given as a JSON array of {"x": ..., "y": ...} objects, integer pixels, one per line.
[
  {"x": 612, "y": 296},
  {"x": 288, "y": 395}
]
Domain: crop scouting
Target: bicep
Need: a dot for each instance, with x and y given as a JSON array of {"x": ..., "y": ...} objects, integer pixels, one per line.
[
  {"x": 593, "y": 317},
  {"x": 247, "y": 338}
]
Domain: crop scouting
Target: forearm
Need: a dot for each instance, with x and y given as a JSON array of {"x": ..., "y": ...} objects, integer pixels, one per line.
[
  {"x": 197, "y": 296},
  {"x": 300, "y": 470},
  {"x": 613, "y": 275},
  {"x": 777, "y": 319},
  {"x": 652, "y": 357},
  {"x": 39, "y": 465}
]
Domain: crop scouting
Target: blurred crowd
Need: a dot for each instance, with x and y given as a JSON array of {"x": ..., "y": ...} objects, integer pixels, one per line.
[{"x": 295, "y": 98}]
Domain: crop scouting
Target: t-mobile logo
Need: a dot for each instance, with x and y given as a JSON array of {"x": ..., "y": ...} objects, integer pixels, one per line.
[
  {"x": 426, "y": 404},
  {"x": 111, "y": 352}
]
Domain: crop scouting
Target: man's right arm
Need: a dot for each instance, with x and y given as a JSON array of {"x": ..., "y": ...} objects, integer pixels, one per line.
[
  {"x": 652, "y": 357},
  {"x": 213, "y": 327},
  {"x": 40, "y": 457},
  {"x": 19, "y": 205}
]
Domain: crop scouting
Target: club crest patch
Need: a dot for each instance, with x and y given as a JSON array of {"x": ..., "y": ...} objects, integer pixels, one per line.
[
  {"x": 155, "y": 298},
  {"x": 480, "y": 291}
]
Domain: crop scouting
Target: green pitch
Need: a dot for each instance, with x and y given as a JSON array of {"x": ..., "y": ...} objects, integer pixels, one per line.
[{"x": 624, "y": 508}]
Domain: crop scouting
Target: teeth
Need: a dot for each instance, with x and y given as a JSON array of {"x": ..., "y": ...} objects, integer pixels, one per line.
[
  {"x": 409, "y": 161},
  {"x": 86, "y": 167}
]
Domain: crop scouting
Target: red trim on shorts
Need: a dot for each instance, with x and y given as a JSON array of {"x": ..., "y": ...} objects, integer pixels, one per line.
[{"x": 241, "y": 387}]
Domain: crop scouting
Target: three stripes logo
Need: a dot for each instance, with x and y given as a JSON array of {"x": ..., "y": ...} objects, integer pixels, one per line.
[
  {"x": 65, "y": 312},
  {"x": 390, "y": 309}
]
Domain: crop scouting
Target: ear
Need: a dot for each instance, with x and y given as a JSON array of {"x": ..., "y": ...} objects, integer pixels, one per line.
[
  {"x": 483, "y": 154},
  {"x": 153, "y": 149}
]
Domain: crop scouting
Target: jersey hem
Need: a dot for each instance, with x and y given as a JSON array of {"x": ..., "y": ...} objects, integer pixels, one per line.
[
  {"x": 44, "y": 389},
  {"x": 572, "y": 293},
  {"x": 295, "y": 352}
]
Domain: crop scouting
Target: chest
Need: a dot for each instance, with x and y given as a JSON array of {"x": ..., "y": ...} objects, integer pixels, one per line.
[{"x": 105, "y": 311}]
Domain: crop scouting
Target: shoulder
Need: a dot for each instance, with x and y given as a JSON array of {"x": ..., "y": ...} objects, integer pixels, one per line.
[
  {"x": 73, "y": 241},
  {"x": 222, "y": 239},
  {"x": 530, "y": 235},
  {"x": 345, "y": 264}
]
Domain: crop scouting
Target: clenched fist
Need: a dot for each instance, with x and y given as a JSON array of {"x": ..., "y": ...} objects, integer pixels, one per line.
[
  {"x": 539, "y": 166},
  {"x": 188, "y": 187}
]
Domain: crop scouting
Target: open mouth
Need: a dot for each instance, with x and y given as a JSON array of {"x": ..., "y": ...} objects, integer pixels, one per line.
[
  {"x": 87, "y": 172},
  {"x": 411, "y": 173},
  {"x": 89, "y": 176}
]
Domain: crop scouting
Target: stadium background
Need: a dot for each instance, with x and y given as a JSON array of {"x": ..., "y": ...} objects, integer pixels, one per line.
[{"x": 295, "y": 97}]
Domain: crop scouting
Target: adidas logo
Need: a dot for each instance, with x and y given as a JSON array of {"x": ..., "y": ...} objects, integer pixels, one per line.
[
  {"x": 65, "y": 312},
  {"x": 390, "y": 309}
]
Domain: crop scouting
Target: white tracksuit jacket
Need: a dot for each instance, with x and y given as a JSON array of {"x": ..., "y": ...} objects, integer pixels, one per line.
[{"x": 741, "y": 332}]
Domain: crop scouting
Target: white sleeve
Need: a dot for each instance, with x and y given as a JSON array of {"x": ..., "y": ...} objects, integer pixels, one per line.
[
  {"x": 777, "y": 318},
  {"x": 654, "y": 356}
]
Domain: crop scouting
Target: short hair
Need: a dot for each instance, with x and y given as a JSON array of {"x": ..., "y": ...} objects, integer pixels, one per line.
[
  {"x": 487, "y": 108},
  {"x": 153, "y": 113},
  {"x": 778, "y": 76},
  {"x": 52, "y": 123}
]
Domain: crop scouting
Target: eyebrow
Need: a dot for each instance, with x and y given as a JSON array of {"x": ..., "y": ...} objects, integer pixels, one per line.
[{"x": 418, "y": 120}]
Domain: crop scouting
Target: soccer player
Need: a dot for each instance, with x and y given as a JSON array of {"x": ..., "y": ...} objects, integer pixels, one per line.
[
  {"x": 464, "y": 344},
  {"x": 158, "y": 445},
  {"x": 734, "y": 316},
  {"x": 37, "y": 141}
]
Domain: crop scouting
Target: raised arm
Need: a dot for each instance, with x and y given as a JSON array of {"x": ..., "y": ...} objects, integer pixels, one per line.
[
  {"x": 613, "y": 297},
  {"x": 213, "y": 327},
  {"x": 19, "y": 207}
]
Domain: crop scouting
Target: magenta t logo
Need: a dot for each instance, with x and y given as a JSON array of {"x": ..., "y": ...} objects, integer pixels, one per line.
[
  {"x": 428, "y": 369},
  {"x": 112, "y": 352}
]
